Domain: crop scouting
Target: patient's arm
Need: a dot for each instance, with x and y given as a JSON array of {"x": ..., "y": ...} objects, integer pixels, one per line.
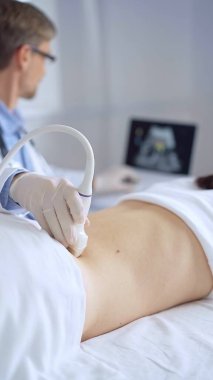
[{"x": 140, "y": 259}]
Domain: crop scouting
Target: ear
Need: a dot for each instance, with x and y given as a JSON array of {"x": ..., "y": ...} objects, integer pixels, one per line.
[{"x": 23, "y": 57}]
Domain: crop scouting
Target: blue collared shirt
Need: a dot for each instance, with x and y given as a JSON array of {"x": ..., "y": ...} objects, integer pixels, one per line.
[{"x": 11, "y": 129}]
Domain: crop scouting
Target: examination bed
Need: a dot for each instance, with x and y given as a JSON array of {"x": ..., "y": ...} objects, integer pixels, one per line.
[{"x": 173, "y": 344}]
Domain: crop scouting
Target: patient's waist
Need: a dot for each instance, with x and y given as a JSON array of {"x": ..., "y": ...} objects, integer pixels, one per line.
[{"x": 127, "y": 244}]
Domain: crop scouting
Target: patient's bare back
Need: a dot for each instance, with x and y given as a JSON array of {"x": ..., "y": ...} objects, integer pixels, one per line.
[{"x": 140, "y": 259}]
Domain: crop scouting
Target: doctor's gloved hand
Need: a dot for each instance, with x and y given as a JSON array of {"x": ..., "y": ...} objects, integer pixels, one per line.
[{"x": 54, "y": 203}]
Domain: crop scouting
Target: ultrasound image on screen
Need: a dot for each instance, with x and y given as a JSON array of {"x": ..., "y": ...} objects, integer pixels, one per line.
[{"x": 159, "y": 146}]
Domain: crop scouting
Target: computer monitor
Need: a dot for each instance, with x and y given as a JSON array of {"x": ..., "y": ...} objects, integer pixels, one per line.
[{"x": 160, "y": 146}]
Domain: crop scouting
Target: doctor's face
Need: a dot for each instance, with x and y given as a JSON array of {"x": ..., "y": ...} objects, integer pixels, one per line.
[{"x": 34, "y": 70}]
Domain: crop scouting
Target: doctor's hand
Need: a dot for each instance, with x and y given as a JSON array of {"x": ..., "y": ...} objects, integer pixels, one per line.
[{"x": 54, "y": 203}]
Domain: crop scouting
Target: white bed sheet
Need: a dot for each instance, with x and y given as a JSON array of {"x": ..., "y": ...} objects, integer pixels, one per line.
[{"x": 173, "y": 344}]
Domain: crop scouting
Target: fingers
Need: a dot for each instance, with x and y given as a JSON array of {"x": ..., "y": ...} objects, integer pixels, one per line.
[
  {"x": 66, "y": 222},
  {"x": 38, "y": 215},
  {"x": 54, "y": 226},
  {"x": 62, "y": 210},
  {"x": 75, "y": 204}
]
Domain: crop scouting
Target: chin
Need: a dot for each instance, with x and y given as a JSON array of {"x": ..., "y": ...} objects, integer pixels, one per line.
[{"x": 29, "y": 95}]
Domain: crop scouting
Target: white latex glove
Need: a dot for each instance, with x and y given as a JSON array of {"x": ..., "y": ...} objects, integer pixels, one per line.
[
  {"x": 54, "y": 202},
  {"x": 115, "y": 179}
]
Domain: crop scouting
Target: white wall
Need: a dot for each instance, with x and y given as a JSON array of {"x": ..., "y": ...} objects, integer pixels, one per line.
[
  {"x": 149, "y": 63},
  {"x": 122, "y": 59},
  {"x": 203, "y": 83}
]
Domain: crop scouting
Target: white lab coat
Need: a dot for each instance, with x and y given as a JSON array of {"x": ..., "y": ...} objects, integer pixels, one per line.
[{"x": 39, "y": 164}]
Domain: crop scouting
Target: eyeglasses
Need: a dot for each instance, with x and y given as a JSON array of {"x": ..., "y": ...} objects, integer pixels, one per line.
[{"x": 43, "y": 54}]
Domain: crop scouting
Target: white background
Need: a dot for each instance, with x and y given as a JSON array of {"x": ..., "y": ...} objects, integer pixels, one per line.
[{"x": 120, "y": 59}]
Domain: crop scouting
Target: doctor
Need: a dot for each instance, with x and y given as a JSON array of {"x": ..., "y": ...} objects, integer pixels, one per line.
[{"x": 28, "y": 186}]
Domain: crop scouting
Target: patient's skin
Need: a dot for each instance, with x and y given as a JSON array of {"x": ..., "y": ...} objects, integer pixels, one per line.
[{"x": 140, "y": 259}]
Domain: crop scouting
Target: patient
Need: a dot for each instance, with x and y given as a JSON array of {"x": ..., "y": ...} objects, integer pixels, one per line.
[
  {"x": 152, "y": 251},
  {"x": 142, "y": 257}
]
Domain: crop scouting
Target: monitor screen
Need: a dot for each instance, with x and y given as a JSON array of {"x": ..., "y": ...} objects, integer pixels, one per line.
[{"x": 160, "y": 146}]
